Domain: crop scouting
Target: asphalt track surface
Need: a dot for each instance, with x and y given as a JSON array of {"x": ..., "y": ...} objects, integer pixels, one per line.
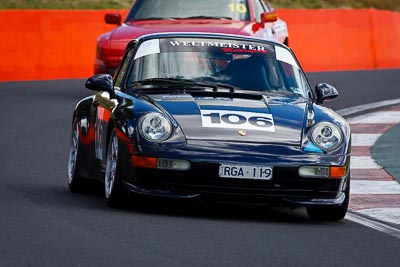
[{"x": 43, "y": 224}]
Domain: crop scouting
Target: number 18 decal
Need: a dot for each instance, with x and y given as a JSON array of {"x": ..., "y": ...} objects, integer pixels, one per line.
[{"x": 237, "y": 120}]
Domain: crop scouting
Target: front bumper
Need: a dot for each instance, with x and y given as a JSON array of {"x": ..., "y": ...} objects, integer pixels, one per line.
[{"x": 202, "y": 180}]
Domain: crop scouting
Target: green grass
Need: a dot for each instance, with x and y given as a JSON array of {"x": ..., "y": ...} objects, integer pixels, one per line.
[
  {"x": 65, "y": 4},
  {"x": 125, "y": 4},
  {"x": 378, "y": 4}
]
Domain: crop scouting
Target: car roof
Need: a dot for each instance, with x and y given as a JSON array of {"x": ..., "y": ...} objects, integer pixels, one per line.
[{"x": 202, "y": 35}]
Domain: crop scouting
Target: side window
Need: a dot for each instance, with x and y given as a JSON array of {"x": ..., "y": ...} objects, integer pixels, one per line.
[
  {"x": 124, "y": 66},
  {"x": 258, "y": 9}
]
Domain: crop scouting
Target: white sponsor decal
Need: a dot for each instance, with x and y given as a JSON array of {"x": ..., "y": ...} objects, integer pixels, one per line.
[
  {"x": 237, "y": 120},
  {"x": 147, "y": 48},
  {"x": 284, "y": 55},
  {"x": 219, "y": 44}
]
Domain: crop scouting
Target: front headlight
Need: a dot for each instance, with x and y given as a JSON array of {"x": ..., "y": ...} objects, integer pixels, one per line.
[
  {"x": 327, "y": 136},
  {"x": 155, "y": 127}
]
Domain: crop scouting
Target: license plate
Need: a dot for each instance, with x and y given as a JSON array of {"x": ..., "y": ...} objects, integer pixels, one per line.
[{"x": 245, "y": 171}]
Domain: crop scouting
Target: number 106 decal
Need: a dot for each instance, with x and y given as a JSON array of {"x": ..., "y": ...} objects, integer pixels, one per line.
[{"x": 237, "y": 120}]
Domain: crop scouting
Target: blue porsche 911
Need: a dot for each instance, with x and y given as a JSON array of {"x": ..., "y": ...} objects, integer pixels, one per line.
[{"x": 212, "y": 116}]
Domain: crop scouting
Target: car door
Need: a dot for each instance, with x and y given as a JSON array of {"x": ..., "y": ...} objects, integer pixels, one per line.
[{"x": 104, "y": 107}]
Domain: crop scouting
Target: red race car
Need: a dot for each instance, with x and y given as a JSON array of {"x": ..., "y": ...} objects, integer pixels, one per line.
[{"x": 244, "y": 17}]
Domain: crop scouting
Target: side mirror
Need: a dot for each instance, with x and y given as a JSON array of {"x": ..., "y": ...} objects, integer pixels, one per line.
[
  {"x": 324, "y": 92},
  {"x": 265, "y": 17},
  {"x": 113, "y": 18},
  {"x": 100, "y": 82},
  {"x": 268, "y": 17}
]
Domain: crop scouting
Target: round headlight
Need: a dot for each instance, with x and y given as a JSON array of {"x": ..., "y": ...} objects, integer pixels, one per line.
[
  {"x": 326, "y": 136},
  {"x": 155, "y": 127}
]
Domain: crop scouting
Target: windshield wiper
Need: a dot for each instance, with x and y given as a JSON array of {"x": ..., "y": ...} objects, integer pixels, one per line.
[
  {"x": 157, "y": 18},
  {"x": 188, "y": 84},
  {"x": 152, "y": 85},
  {"x": 206, "y": 17}
]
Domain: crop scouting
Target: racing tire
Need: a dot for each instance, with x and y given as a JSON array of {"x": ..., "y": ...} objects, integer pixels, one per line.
[
  {"x": 331, "y": 213},
  {"x": 114, "y": 191},
  {"x": 75, "y": 182}
]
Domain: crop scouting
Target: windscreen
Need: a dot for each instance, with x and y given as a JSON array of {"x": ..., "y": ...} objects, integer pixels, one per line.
[
  {"x": 189, "y": 9},
  {"x": 244, "y": 65}
]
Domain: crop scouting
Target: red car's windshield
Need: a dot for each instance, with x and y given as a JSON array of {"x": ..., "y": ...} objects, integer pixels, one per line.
[{"x": 189, "y": 9}]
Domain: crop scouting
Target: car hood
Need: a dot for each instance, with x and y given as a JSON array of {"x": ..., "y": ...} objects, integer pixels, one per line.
[
  {"x": 243, "y": 119},
  {"x": 131, "y": 30}
]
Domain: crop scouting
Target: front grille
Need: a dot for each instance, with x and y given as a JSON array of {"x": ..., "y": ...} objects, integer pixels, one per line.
[{"x": 266, "y": 190}]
